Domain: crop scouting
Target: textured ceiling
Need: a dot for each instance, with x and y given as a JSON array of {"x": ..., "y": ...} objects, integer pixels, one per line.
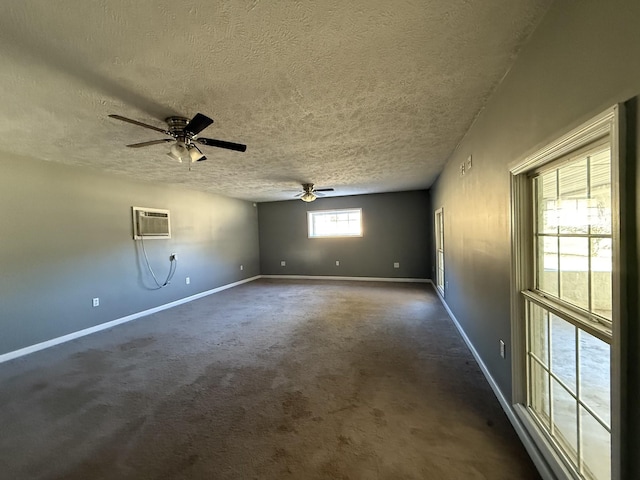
[{"x": 364, "y": 96}]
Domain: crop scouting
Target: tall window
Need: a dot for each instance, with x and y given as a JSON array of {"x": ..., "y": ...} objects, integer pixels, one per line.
[
  {"x": 569, "y": 312},
  {"x": 335, "y": 223},
  {"x": 565, "y": 249},
  {"x": 439, "y": 234}
]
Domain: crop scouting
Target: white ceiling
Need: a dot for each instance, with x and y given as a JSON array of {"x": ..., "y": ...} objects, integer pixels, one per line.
[{"x": 364, "y": 95}]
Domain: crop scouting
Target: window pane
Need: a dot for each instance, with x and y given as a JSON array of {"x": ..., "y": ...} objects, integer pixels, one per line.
[
  {"x": 548, "y": 265},
  {"x": 439, "y": 230},
  {"x": 565, "y": 421},
  {"x": 539, "y": 380},
  {"x": 600, "y": 194},
  {"x": 538, "y": 333},
  {"x": 546, "y": 186},
  {"x": 563, "y": 351},
  {"x": 595, "y": 375},
  {"x": 596, "y": 447},
  {"x": 574, "y": 271},
  {"x": 573, "y": 213},
  {"x": 601, "y": 268}
]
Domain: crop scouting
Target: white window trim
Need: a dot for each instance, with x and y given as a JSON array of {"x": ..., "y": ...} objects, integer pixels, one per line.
[
  {"x": 310, "y": 214},
  {"x": 438, "y": 233},
  {"x": 611, "y": 123}
]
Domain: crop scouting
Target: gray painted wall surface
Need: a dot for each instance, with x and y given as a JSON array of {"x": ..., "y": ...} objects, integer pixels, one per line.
[
  {"x": 397, "y": 228},
  {"x": 66, "y": 237},
  {"x": 582, "y": 59}
]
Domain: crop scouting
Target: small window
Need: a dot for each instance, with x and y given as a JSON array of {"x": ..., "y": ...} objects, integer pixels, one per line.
[{"x": 335, "y": 223}]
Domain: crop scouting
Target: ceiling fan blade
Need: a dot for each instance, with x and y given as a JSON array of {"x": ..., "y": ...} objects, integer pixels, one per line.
[
  {"x": 211, "y": 142},
  {"x": 318, "y": 194},
  {"x": 323, "y": 190},
  {"x": 299, "y": 194},
  {"x": 198, "y": 123},
  {"x": 135, "y": 122},
  {"x": 152, "y": 142}
]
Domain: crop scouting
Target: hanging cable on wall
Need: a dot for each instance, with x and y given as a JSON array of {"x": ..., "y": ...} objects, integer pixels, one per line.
[{"x": 173, "y": 265}]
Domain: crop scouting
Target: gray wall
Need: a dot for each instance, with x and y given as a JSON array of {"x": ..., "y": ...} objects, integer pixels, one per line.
[
  {"x": 583, "y": 58},
  {"x": 397, "y": 228},
  {"x": 66, "y": 237}
]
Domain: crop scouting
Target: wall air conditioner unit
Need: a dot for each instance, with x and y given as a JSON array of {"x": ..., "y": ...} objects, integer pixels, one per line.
[{"x": 150, "y": 223}]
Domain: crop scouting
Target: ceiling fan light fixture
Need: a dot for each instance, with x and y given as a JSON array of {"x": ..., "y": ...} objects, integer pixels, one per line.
[
  {"x": 179, "y": 151},
  {"x": 308, "y": 197},
  {"x": 195, "y": 154}
]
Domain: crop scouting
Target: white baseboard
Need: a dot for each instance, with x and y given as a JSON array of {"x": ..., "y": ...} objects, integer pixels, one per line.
[
  {"x": 536, "y": 456},
  {"x": 5, "y": 357},
  {"x": 356, "y": 279}
]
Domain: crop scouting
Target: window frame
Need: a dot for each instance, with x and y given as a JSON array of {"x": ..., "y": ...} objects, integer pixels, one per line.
[
  {"x": 336, "y": 211},
  {"x": 438, "y": 216},
  {"x": 593, "y": 323},
  {"x": 609, "y": 123}
]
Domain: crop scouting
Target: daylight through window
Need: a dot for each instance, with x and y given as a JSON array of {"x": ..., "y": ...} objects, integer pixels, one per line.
[
  {"x": 569, "y": 308},
  {"x": 335, "y": 223}
]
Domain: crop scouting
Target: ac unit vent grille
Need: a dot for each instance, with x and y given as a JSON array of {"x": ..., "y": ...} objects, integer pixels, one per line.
[{"x": 151, "y": 223}]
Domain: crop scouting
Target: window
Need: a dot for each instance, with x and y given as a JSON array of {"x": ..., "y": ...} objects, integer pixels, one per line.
[
  {"x": 335, "y": 223},
  {"x": 572, "y": 231},
  {"x": 439, "y": 234},
  {"x": 565, "y": 306},
  {"x": 569, "y": 316}
]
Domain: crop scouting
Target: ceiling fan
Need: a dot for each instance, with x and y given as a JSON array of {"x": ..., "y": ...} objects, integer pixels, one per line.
[
  {"x": 184, "y": 133},
  {"x": 309, "y": 193}
]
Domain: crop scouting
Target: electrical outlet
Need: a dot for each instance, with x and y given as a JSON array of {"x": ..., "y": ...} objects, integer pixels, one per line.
[
  {"x": 173, "y": 257},
  {"x": 469, "y": 162},
  {"x": 503, "y": 352},
  {"x": 187, "y": 280},
  {"x": 241, "y": 267},
  {"x": 337, "y": 263},
  {"x": 396, "y": 265},
  {"x": 283, "y": 263},
  {"x": 96, "y": 302}
]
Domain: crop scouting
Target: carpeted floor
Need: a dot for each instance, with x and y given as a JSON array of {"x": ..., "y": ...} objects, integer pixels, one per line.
[{"x": 273, "y": 379}]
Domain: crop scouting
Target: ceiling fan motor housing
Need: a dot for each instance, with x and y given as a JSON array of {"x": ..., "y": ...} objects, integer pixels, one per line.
[{"x": 177, "y": 127}]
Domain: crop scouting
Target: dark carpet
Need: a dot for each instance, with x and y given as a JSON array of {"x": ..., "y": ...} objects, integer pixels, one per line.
[{"x": 273, "y": 379}]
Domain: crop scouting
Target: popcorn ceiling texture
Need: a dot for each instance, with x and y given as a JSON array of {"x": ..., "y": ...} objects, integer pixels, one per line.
[{"x": 364, "y": 96}]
